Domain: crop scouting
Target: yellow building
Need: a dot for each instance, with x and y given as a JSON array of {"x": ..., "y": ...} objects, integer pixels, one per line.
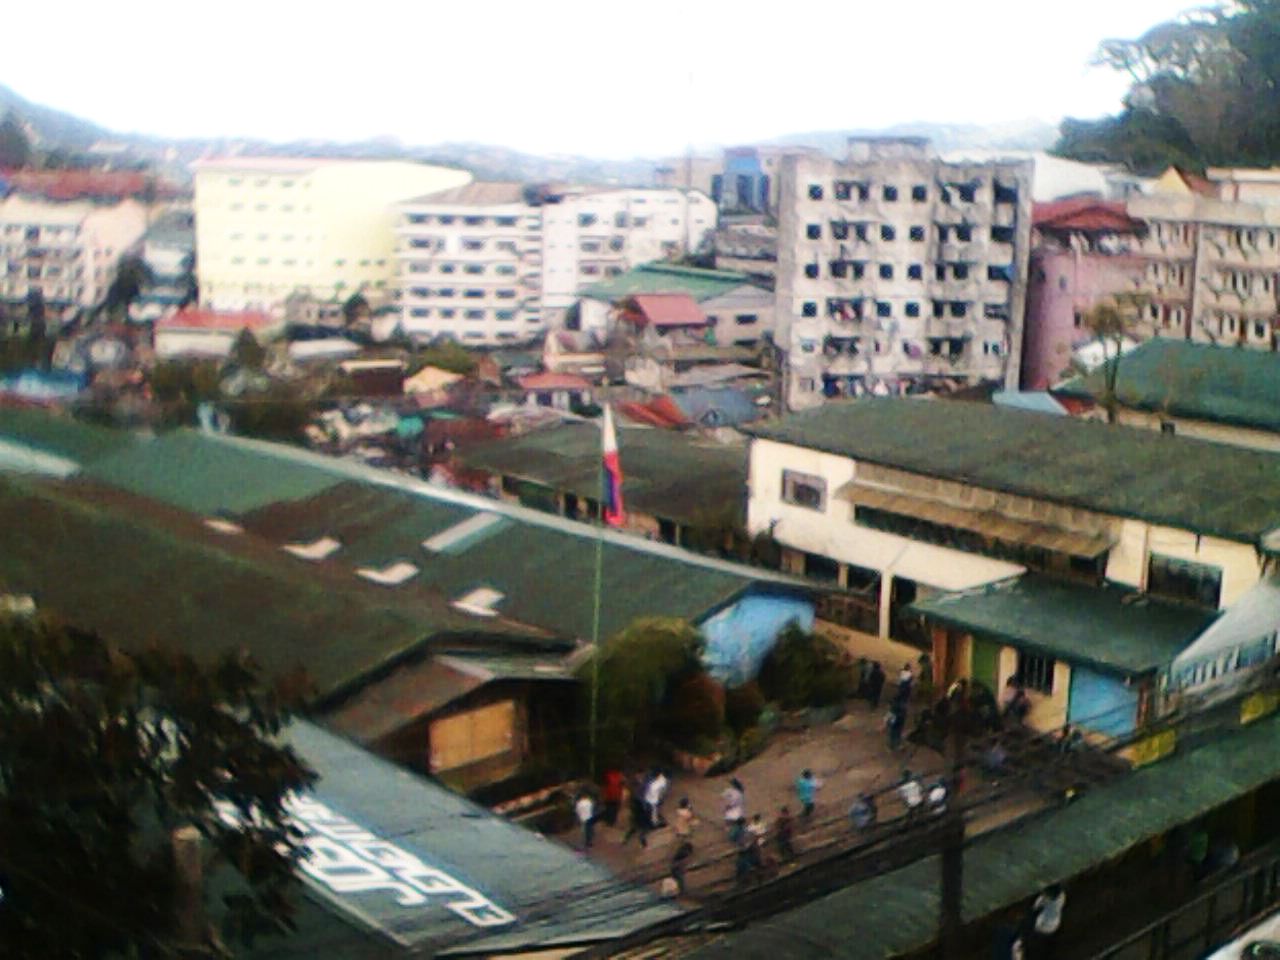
[
  {"x": 1080, "y": 557},
  {"x": 269, "y": 227}
]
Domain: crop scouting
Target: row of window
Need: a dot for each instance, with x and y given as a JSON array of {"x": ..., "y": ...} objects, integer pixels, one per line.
[
  {"x": 450, "y": 313},
  {"x": 446, "y": 219},
  {"x": 1229, "y": 325},
  {"x": 263, "y": 207},
  {"x": 471, "y": 293},
  {"x": 263, "y": 182},
  {"x": 850, "y": 310},
  {"x": 32, "y": 232},
  {"x": 857, "y": 270},
  {"x": 470, "y": 269},
  {"x": 916, "y": 233},
  {"x": 919, "y": 193}
]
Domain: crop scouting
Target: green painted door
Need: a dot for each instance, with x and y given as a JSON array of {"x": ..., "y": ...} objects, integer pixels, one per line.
[{"x": 984, "y": 665}]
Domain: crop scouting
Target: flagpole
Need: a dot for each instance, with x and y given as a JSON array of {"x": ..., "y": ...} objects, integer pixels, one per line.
[
  {"x": 595, "y": 634},
  {"x": 609, "y": 514}
]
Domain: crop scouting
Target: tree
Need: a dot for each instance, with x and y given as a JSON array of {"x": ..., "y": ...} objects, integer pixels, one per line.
[
  {"x": 132, "y": 275},
  {"x": 247, "y": 352},
  {"x": 356, "y": 308},
  {"x": 103, "y": 755},
  {"x": 639, "y": 671},
  {"x": 1112, "y": 322},
  {"x": 15, "y": 148}
]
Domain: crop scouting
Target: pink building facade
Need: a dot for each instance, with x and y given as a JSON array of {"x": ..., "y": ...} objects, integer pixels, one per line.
[{"x": 1082, "y": 253}]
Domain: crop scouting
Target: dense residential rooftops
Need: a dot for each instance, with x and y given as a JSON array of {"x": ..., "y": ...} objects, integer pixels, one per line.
[
  {"x": 1084, "y": 214},
  {"x": 667, "y": 474},
  {"x": 897, "y": 912},
  {"x": 666, "y": 310},
  {"x": 1206, "y": 488},
  {"x": 553, "y": 381},
  {"x": 193, "y": 318},
  {"x": 485, "y": 886},
  {"x": 1198, "y": 381},
  {"x": 666, "y": 278},
  {"x": 1108, "y": 627}
]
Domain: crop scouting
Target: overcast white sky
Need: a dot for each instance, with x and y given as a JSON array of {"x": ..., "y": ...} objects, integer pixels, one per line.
[{"x": 608, "y": 79}]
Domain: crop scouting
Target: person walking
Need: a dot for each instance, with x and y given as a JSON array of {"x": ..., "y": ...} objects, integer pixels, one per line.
[
  {"x": 807, "y": 792},
  {"x": 911, "y": 793},
  {"x": 679, "y": 863},
  {"x": 894, "y": 722},
  {"x": 875, "y": 684},
  {"x": 640, "y": 824},
  {"x": 783, "y": 829},
  {"x": 611, "y": 796},
  {"x": 734, "y": 798},
  {"x": 1047, "y": 912},
  {"x": 684, "y": 822},
  {"x": 863, "y": 813},
  {"x": 905, "y": 682},
  {"x": 655, "y": 791},
  {"x": 585, "y": 809}
]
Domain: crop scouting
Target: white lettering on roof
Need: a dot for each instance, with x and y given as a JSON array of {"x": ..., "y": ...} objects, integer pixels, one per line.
[
  {"x": 343, "y": 857},
  {"x": 459, "y": 532},
  {"x": 479, "y": 602},
  {"x": 391, "y": 576},
  {"x": 316, "y": 550}
]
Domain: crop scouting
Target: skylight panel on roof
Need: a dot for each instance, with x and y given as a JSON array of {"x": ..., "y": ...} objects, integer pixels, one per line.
[
  {"x": 391, "y": 576},
  {"x": 316, "y": 550},
  {"x": 223, "y": 526},
  {"x": 465, "y": 534},
  {"x": 480, "y": 602}
]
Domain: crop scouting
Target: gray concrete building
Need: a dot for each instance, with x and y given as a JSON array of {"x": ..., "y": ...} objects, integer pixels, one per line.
[{"x": 898, "y": 272}]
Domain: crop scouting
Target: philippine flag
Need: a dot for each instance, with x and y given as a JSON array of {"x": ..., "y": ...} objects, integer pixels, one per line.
[{"x": 611, "y": 497}]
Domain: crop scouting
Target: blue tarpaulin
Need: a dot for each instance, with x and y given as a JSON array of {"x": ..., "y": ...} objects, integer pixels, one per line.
[{"x": 741, "y": 635}]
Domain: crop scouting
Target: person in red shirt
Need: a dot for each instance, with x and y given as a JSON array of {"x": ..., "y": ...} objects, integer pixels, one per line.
[{"x": 611, "y": 796}]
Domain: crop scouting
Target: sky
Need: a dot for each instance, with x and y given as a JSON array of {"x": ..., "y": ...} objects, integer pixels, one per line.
[{"x": 610, "y": 78}]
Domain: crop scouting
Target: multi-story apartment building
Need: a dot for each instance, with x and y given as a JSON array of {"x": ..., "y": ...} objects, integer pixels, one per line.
[
  {"x": 502, "y": 262},
  {"x": 269, "y": 227},
  {"x": 1211, "y": 266},
  {"x": 748, "y": 184},
  {"x": 897, "y": 271},
  {"x": 65, "y": 252}
]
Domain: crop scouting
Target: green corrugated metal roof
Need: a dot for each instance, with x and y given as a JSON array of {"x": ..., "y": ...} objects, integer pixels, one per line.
[
  {"x": 1206, "y": 488},
  {"x": 898, "y": 911},
  {"x": 665, "y": 278},
  {"x": 184, "y": 469},
  {"x": 136, "y": 572},
  {"x": 1108, "y": 626},
  {"x": 377, "y": 526},
  {"x": 1195, "y": 380},
  {"x": 666, "y": 473},
  {"x": 61, "y": 435}
]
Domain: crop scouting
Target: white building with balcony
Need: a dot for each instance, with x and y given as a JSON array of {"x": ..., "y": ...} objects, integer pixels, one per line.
[
  {"x": 67, "y": 252},
  {"x": 490, "y": 263},
  {"x": 898, "y": 271}
]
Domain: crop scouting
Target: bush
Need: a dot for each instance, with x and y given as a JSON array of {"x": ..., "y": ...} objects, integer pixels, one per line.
[
  {"x": 742, "y": 706},
  {"x": 696, "y": 711},
  {"x": 803, "y": 670}
]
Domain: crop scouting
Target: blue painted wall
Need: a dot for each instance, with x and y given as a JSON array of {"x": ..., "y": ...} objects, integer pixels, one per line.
[
  {"x": 1101, "y": 702},
  {"x": 741, "y": 635}
]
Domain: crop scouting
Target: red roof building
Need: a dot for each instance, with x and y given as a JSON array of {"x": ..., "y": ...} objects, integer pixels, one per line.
[
  {"x": 214, "y": 321},
  {"x": 553, "y": 381},
  {"x": 662, "y": 310},
  {"x": 88, "y": 184},
  {"x": 1084, "y": 215}
]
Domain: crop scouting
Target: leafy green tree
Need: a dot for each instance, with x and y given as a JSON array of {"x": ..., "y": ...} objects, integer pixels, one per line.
[
  {"x": 247, "y": 352},
  {"x": 103, "y": 755},
  {"x": 803, "y": 670},
  {"x": 447, "y": 355},
  {"x": 1112, "y": 322},
  {"x": 356, "y": 308},
  {"x": 640, "y": 669},
  {"x": 15, "y": 148},
  {"x": 132, "y": 275}
]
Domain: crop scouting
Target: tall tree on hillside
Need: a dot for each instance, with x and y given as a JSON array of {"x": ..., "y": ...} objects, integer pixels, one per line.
[
  {"x": 132, "y": 275},
  {"x": 15, "y": 148},
  {"x": 1113, "y": 322},
  {"x": 103, "y": 756}
]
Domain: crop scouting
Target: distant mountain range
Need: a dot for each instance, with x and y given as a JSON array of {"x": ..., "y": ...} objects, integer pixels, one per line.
[{"x": 50, "y": 128}]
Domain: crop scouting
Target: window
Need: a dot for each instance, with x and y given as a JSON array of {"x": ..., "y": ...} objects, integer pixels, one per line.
[
  {"x": 448, "y": 313},
  {"x": 940, "y": 271},
  {"x": 840, "y": 231},
  {"x": 919, "y": 194},
  {"x": 959, "y": 308},
  {"x": 915, "y": 272},
  {"x": 916, "y": 234},
  {"x": 473, "y": 245},
  {"x": 815, "y": 191},
  {"x": 744, "y": 319},
  {"x": 813, "y": 231},
  {"x": 839, "y": 269},
  {"x": 505, "y": 221},
  {"x": 843, "y": 190},
  {"x": 475, "y": 314},
  {"x": 890, "y": 194},
  {"x": 964, "y": 233},
  {"x": 1198, "y": 583},
  {"x": 884, "y": 308},
  {"x": 586, "y": 219},
  {"x": 913, "y": 309},
  {"x": 961, "y": 271},
  {"x": 811, "y": 270},
  {"x": 447, "y": 268},
  {"x": 1036, "y": 672},
  {"x": 505, "y": 269},
  {"x": 475, "y": 269},
  {"x": 886, "y": 271},
  {"x": 887, "y": 232},
  {"x": 504, "y": 315},
  {"x": 804, "y": 490},
  {"x": 506, "y": 294}
]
